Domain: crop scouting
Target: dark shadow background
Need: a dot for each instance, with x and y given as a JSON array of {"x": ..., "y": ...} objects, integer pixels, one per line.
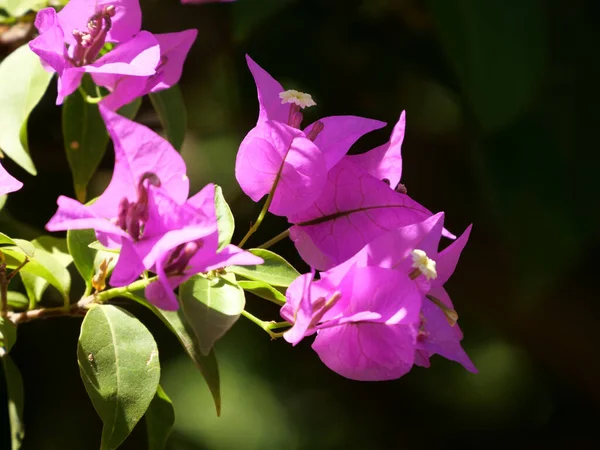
[{"x": 502, "y": 116}]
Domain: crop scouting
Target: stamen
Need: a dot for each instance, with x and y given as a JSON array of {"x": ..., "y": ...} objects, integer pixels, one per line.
[
  {"x": 294, "y": 110},
  {"x": 315, "y": 130},
  {"x": 296, "y": 119},
  {"x": 423, "y": 264},
  {"x": 324, "y": 306},
  {"x": 181, "y": 256},
  {"x": 122, "y": 215},
  {"x": 297, "y": 98},
  {"x": 401, "y": 188},
  {"x": 451, "y": 314}
]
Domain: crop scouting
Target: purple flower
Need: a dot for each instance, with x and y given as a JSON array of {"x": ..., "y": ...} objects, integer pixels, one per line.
[
  {"x": 138, "y": 151},
  {"x": 277, "y": 151},
  {"x": 70, "y": 43},
  {"x": 178, "y": 241},
  {"x": 146, "y": 212},
  {"x": 409, "y": 253},
  {"x": 366, "y": 323},
  {"x": 8, "y": 183}
]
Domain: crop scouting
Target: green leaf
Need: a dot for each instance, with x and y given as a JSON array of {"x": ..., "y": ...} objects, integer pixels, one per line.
[
  {"x": 160, "y": 418},
  {"x": 44, "y": 265},
  {"x": 14, "y": 390},
  {"x": 23, "y": 82},
  {"x": 180, "y": 327},
  {"x": 498, "y": 51},
  {"x": 225, "y": 220},
  {"x": 27, "y": 247},
  {"x": 85, "y": 135},
  {"x": 170, "y": 107},
  {"x": 78, "y": 242},
  {"x": 16, "y": 8},
  {"x": 16, "y": 300},
  {"x": 96, "y": 245},
  {"x": 211, "y": 306},
  {"x": 275, "y": 271},
  {"x": 52, "y": 253},
  {"x": 118, "y": 362},
  {"x": 263, "y": 290},
  {"x": 8, "y": 335}
]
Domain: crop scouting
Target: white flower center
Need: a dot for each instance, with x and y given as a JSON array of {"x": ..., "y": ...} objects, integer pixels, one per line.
[
  {"x": 298, "y": 98},
  {"x": 423, "y": 263}
]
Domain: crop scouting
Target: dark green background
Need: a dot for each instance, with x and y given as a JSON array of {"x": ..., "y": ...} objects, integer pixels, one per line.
[{"x": 502, "y": 117}]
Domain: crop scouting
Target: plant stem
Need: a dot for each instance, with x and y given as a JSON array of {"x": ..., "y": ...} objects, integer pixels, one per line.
[
  {"x": 267, "y": 326},
  {"x": 276, "y": 239},
  {"x": 103, "y": 296},
  {"x": 265, "y": 207},
  {"x": 261, "y": 216},
  {"x": 82, "y": 306}
]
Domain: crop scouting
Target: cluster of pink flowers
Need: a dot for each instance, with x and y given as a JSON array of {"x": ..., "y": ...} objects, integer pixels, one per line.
[
  {"x": 71, "y": 43},
  {"x": 379, "y": 305}
]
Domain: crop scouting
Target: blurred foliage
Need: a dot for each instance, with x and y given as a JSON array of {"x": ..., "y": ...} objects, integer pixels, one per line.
[{"x": 501, "y": 101}]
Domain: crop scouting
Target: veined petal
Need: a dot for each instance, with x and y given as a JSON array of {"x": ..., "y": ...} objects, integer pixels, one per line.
[
  {"x": 385, "y": 162},
  {"x": 353, "y": 209},
  {"x": 340, "y": 133},
  {"x": 129, "y": 267},
  {"x": 72, "y": 215},
  {"x": 137, "y": 57},
  {"x": 275, "y": 153},
  {"x": 231, "y": 255},
  {"x": 448, "y": 258},
  {"x": 68, "y": 82},
  {"x": 367, "y": 351},
  {"x": 139, "y": 150},
  {"x": 268, "y": 90},
  {"x": 174, "y": 48},
  {"x": 160, "y": 293},
  {"x": 50, "y": 44}
]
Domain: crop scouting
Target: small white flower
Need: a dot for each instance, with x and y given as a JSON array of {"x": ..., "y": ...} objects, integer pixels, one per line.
[
  {"x": 425, "y": 264},
  {"x": 298, "y": 98}
]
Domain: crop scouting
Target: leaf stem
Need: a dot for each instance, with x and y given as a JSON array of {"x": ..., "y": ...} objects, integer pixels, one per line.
[
  {"x": 267, "y": 326},
  {"x": 276, "y": 239}
]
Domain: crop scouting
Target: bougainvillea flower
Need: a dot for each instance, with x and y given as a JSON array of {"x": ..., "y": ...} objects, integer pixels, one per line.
[
  {"x": 139, "y": 60},
  {"x": 179, "y": 241},
  {"x": 366, "y": 324},
  {"x": 332, "y": 136},
  {"x": 7, "y": 182},
  {"x": 399, "y": 250},
  {"x": 145, "y": 211},
  {"x": 138, "y": 151},
  {"x": 353, "y": 209}
]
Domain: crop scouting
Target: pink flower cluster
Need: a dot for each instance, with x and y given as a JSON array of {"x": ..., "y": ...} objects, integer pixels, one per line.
[
  {"x": 73, "y": 41},
  {"x": 378, "y": 306}
]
